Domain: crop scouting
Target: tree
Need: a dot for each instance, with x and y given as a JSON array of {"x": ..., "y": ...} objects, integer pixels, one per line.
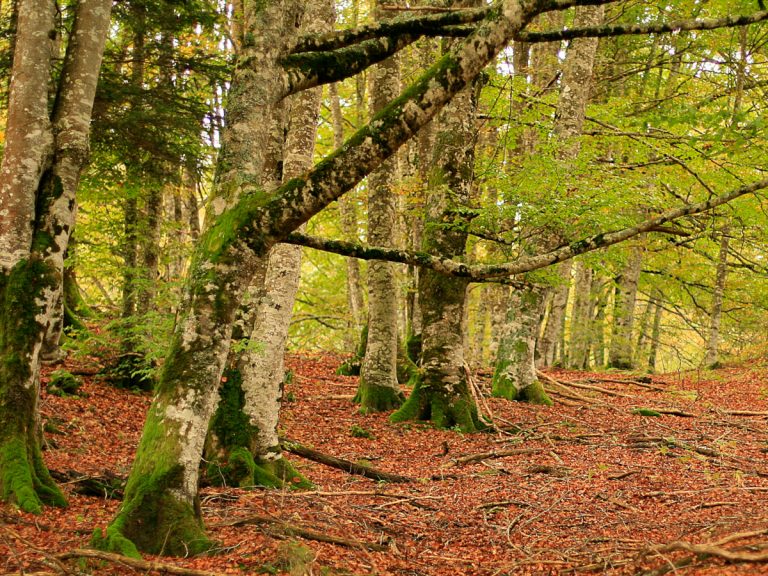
[
  {"x": 378, "y": 389},
  {"x": 43, "y": 158}
]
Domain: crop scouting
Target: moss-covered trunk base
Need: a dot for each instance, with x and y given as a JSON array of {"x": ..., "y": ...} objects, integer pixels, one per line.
[
  {"x": 534, "y": 393},
  {"x": 150, "y": 510},
  {"x": 432, "y": 404},
  {"x": 374, "y": 398},
  {"x": 241, "y": 469},
  {"x": 24, "y": 479}
]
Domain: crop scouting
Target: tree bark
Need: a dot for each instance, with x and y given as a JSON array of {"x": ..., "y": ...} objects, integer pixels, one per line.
[
  {"x": 578, "y": 349},
  {"x": 441, "y": 391},
  {"x": 515, "y": 375}
]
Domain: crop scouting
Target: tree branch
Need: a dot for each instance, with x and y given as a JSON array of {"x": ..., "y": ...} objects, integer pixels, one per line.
[
  {"x": 486, "y": 272},
  {"x": 638, "y": 29},
  {"x": 306, "y": 70},
  {"x": 410, "y": 25}
]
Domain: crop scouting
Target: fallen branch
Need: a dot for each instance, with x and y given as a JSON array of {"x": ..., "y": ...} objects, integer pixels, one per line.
[
  {"x": 107, "y": 485},
  {"x": 341, "y": 464},
  {"x": 565, "y": 389},
  {"x": 494, "y": 454},
  {"x": 293, "y": 530},
  {"x": 147, "y": 565},
  {"x": 710, "y": 550},
  {"x": 744, "y": 412}
]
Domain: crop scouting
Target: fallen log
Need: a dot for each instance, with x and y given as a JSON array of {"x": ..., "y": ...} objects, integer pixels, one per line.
[{"x": 341, "y": 464}]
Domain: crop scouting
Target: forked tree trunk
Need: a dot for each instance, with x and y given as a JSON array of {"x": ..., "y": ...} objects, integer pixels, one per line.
[
  {"x": 159, "y": 510},
  {"x": 378, "y": 389},
  {"x": 38, "y": 179}
]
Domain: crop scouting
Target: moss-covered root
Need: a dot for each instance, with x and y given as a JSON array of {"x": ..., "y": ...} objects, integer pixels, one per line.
[
  {"x": 24, "y": 479},
  {"x": 504, "y": 387},
  {"x": 282, "y": 473},
  {"x": 441, "y": 409},
  {"x": 374, "y": 398},
  {"x": 151, "y": 509}
]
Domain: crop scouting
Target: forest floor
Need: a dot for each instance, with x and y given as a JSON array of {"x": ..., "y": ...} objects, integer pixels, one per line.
[{"x": 587, "y": 486}]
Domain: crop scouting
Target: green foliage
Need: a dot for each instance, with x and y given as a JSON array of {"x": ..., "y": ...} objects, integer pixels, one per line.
[
  {"x": 63, "y": 383},
  {"x": 646, "y": 412},
  {"x": 357, "y": 431}
]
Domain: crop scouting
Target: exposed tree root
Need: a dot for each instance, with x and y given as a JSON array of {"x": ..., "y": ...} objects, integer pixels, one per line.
[{"x": 494, "y": 454}]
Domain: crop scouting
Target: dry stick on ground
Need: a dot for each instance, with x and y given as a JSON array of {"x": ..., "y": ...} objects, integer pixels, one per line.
[
  {"x": 567, "y": 392},
  {"x": 494, "y": 454},
  {"x": 293, "y": 530},
  {"x": 744, "y": 412},
  {"x": 341, "y": 464},
  {"x": 147, "y": 565}
]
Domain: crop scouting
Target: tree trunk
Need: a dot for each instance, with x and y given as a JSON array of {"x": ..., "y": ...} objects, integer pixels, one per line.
[
  {"x": 578, "y": 349},
  {"x": 655, "y": 335},
  {"x": 620, "y": 352},
  {"x": 515, "y": 375},
  {"x": 550, "y": 345},
  {"x": 39, "y": 176},
  {"x": 349, "y": 228},
  {"x": 712, "y": 358},
  {"x": 378, "y": 389},
  {"x": 441, "y": 391}
]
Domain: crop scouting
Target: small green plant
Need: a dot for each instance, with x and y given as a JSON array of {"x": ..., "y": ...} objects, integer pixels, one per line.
[
  {"x": 360, "y": 432},
  {"x": 63, "y": 383},
  {"x": 288, "y": 377},
  {"x": 295, "y": 558},
  {"x": 646, "y": 412}
]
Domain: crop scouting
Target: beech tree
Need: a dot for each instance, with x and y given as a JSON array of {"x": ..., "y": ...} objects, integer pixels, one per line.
[{"x": 44, "y": 155}]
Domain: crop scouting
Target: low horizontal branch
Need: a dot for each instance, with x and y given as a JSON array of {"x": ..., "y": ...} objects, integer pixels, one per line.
[
  {"x": 640, "y": 29},
  {"x": 418, "y": 25},
  {"x": 494, "y": 272}
]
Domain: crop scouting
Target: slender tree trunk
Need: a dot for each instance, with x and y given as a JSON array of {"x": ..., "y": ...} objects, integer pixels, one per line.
[
  {"x": 349, "y": 228},
  {"x": 515, "y": 375},
  {"x": 600, "y": 295},
  {"x": 378, "y": 389},
  {"x": 38, "y": 179},
  {"x": 578, "y": 348},
  {"x": 550, "y": 349},
  {"x": 620, "y": 352},
  {"x": 712, "y": 358},
  {"x": 655, "y": 335}
]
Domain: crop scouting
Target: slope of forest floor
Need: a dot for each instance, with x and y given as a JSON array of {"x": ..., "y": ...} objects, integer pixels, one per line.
[{"x": 595, "y": 484}]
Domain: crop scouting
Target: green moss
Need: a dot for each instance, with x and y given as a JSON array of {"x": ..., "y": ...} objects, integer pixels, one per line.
[
  {"x": 503, "y": 387},
  {"x": 430, "y": 403},
  {"x": 154, "y": 520},
  {"x": 63, "y": 383},
  {"x": 24, "y": 479},
  {"x": 373, "y": 398},
  {"x": 282, "y": 470},
  {"x": 231, "y": 424}
]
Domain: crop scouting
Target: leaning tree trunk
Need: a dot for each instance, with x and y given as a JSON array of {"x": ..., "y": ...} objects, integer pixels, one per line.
[
  {"x": 159, "y": 511},
  {"x": 38, "y": 179},
  {"x": 441, "y": 392},
  {"x": 620, "y": 351},
  {"x": 378, "y": 389},
  {"x": 261, "y": 368},
  {"x": 515, "y": 375},
  {"x": 712, "y": 359}
]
